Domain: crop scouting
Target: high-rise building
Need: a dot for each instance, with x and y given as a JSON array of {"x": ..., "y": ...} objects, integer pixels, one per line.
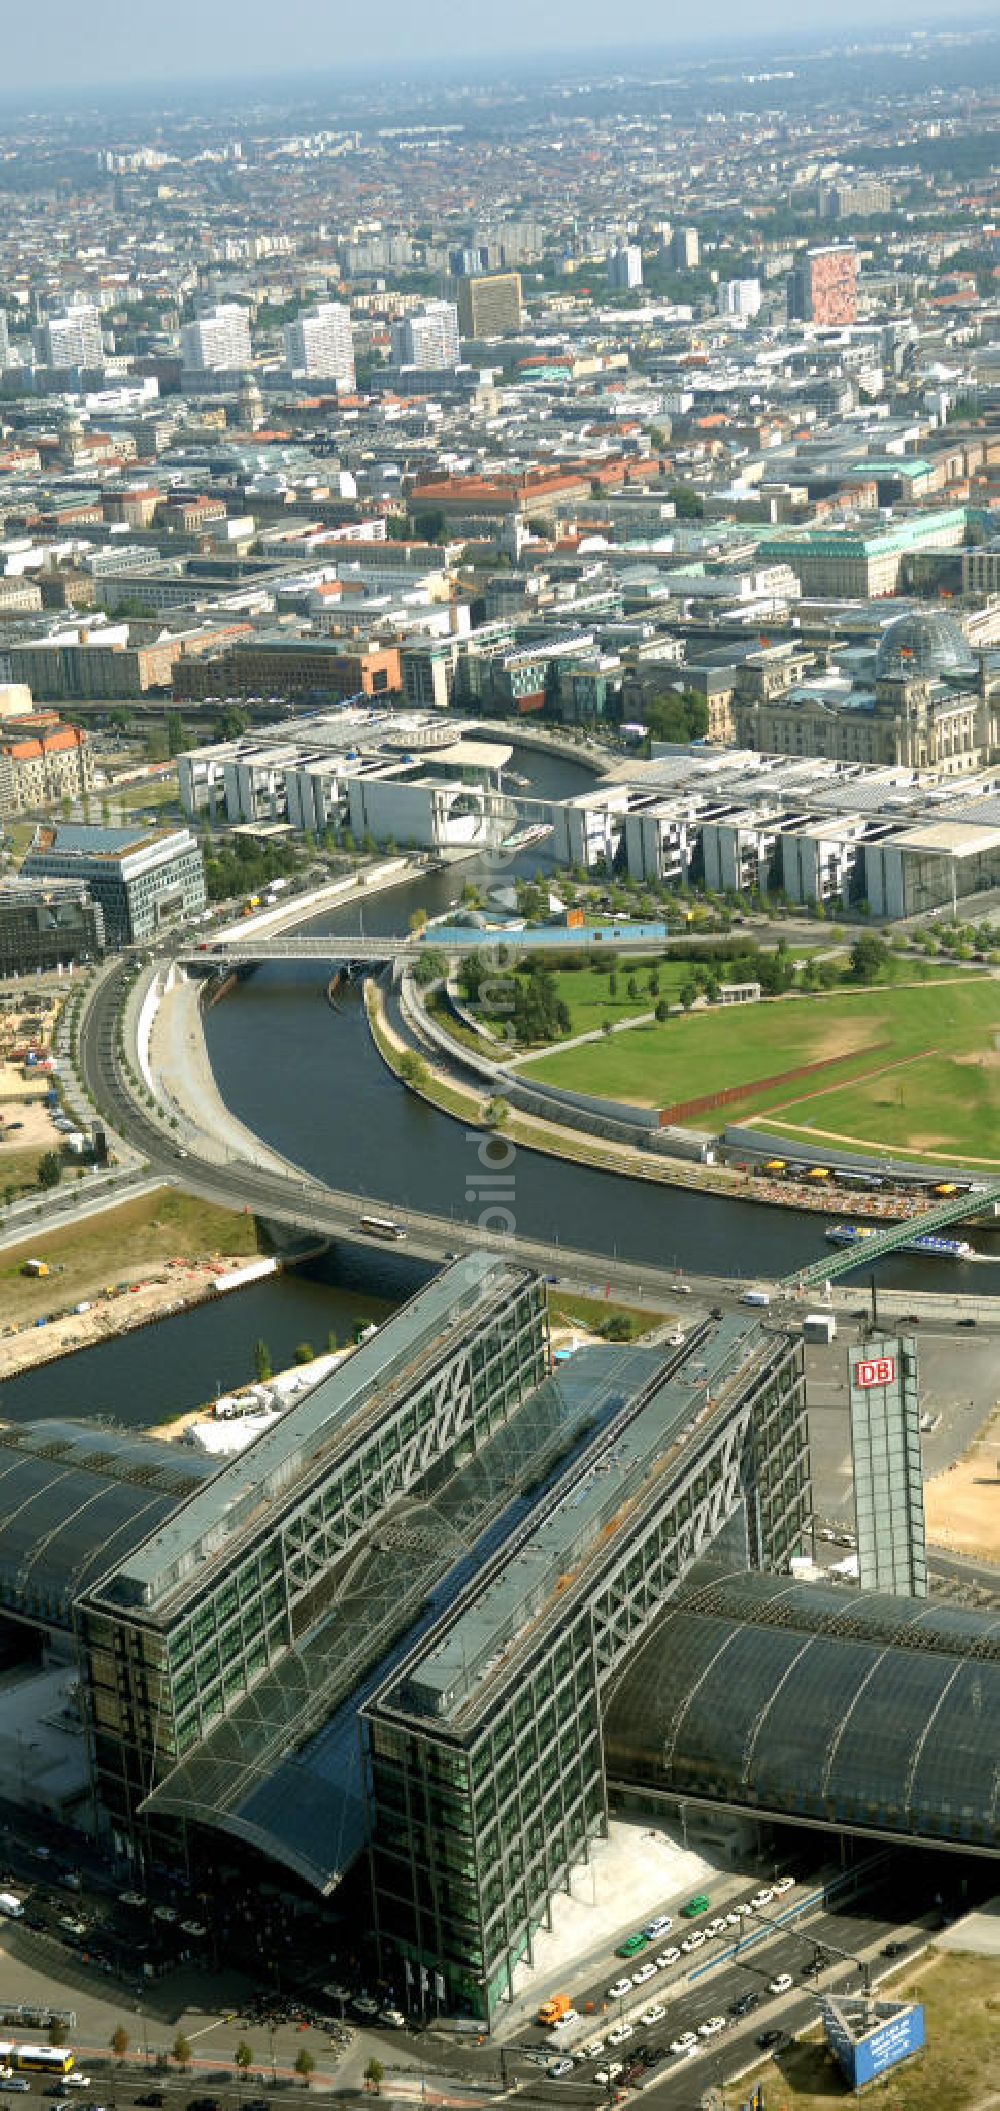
[
  {"x": 888, "y": 1472},
  {"x": 429, "y": 338},
  {"x": 319, "y": 345},
  {"x": 853, "y": 200},
  {"x": 490, "y": 306},
  {"x": 218, "y": 342},
  {"x": 4, "y": 341},
  {"x": 685, "y": 249},
  {"x": 823, "y": 287},
  {"x": 71, "y": 340},
  {"x": 625, "y": 268},
  {"x": 739, "y": 298}
]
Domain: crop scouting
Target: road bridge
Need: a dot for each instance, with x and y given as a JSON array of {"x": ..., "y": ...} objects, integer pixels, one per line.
[
  {"x": 245, "y": 951},
  {"x": 872, "y": 1245}
]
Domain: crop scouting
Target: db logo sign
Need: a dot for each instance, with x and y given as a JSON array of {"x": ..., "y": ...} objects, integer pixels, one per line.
[{"x": 877, "y": 1370}]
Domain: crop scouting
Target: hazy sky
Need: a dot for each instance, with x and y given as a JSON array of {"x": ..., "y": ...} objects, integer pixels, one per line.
[{"x": 115, "y": 41}]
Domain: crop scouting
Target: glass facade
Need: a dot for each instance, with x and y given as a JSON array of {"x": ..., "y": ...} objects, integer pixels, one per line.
[
  {"x": 487, "y": 1744},
  {"x": 888, "y": 1469}
]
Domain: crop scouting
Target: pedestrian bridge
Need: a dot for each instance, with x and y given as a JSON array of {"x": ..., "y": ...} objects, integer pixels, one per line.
[{"x": 343, "y": 946}]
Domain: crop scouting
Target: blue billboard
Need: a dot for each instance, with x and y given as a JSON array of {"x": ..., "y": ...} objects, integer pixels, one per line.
[{"x": 896, "y": 2034}]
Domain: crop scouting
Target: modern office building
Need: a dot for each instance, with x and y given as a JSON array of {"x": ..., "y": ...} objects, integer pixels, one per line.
[
  {"x": 625, "y": 268},
  {"x": 685, "y": 249},
  {"x": 739, "y": 298},
  {"x": 217, "y": 342},
  {"x": 71, "y": 340},
  {"x": 486, "y": 1765},
  {"x": 428, "y": 339},
  {"x": 888, "y": 1469},
  {"x": 823, "y": 286},
  {"x": 47, "y": 924},
  {"x": 490, "y": 305},
  {"x": 142, "y": 878},
  {"x": 319, "y": 345}
]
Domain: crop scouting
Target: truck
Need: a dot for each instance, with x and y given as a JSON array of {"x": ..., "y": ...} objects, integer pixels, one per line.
[
  {"x": 554, "y": 2009},
  {"x": 11, "y": 1906},
  {"x": 819, "y": 1326}
]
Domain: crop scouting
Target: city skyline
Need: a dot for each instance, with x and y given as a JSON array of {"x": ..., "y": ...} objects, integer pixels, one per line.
[{"x": 65, "y": 50}]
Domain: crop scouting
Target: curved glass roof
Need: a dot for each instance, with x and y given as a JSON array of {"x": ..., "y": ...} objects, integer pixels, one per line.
[
  {"x": 75, "y": 1498},
  {"x": 925, "y": 643},
  {"x": 858, "y": 1710}
]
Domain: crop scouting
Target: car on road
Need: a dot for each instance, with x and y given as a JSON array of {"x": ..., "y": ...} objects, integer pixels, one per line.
[
  {"x": 558, "y": 2070},
  {"x": 606, "y": 2075},
  {"x": 896, "y": 1949},
  {"x": 619, "y": 2032},
  {"x": 667, "y": 1957},
  {"x": 618, "y": 1991},
  {"x": 744, "y": 2004},
  {"x": 781, "y": 1984},
  {"x": 773, "y": 2040},
  {"x": 394, "y": 2019},
  {"x": 75, "y": 2081},
  {"x": 655, "y": 1928},
  {"x": 784, "y": 1883},
  {"x": 645, "y": 1971},
  {"x": 687, "y": 2042},
  {"x": 716, "y": 1926},
  {"x": 711, "y": 2026},
  {"x": 654, "y": 2014},
  {"x": 700, "y": 1903},
  {"x": 761, "y": 1899},
  {"x": 693, "y": 1942},
  {"x": 154, "y": 2097},
  {"x": 198, "y": 2103},
  {"x": 631, "y": 1945}
]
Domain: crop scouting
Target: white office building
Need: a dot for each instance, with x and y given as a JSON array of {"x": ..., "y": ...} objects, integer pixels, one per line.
[
  {"x": 71, "y": 340},
  {"x": 319, "y": 345},
  {"x": 428, "y": 339},
  {"x": 739, "y": 299},
  {"x": 218, "y": 342},
  {"x": 625, "y": 268}
]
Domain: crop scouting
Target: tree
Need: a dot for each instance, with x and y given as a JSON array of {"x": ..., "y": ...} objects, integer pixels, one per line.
[
  {"x": 496, "y": 1112},
  {"x": 606, "y": 1026},
  {"x": 49, "y": 1170},
  {"x": 374, "y": 2075},
  {"x": 632, "y": 989},
  {"x": 413, "y": 1069},
  {"x": 181, "y": 2050},
  {"x": 231, "y": 722},
  {"x": 304, "y": 2064},
  {"x": 304, "y": 1352},
  {"x": 263, "y": 1367},
  {"x": 612, "y": 984},
  {"x": 662, "y": 1012},
  {"x": 177, "y": 739},
  {"x": 687, "y": 994},
  {"x": 418, "y": 922},
  {"x": 869, "y": 957},
  {"x": 119, "y": 2041},
  {"x": 431, "y": 526},
  {"x": 676, "y": 714},
  {"x": 243, "y": 2056}
]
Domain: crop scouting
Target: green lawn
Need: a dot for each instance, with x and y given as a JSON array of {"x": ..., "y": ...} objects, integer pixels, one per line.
[
  {"x": 587, "y": 993},
  {"x": 917, "y": 1067}
]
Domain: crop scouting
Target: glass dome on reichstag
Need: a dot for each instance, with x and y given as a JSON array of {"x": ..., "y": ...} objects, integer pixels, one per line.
[{"x": 924, "y": 645}]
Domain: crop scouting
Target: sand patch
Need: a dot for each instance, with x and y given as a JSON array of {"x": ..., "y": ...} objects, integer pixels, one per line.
[{"x": 962, "y": 1505}]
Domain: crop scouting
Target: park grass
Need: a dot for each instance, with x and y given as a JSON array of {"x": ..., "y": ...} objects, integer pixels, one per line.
[
  {"x": 591, "y": 1313},
  {"x": 958, "y": 2067},
  {"x": 917, "y": 1065},
  {"x": 84, "y": 1258}
]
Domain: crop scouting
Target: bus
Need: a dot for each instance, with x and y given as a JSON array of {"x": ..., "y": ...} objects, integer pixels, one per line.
[
  {"x": 35, "y": 2059},
  {"x": 382, "y": 1227}
]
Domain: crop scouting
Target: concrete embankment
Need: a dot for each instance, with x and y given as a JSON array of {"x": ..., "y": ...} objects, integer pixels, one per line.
[{"x": 186, "y": 1086}]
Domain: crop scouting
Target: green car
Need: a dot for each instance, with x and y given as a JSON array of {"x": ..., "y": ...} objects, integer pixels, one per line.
[
  {"x": 631, "y": 1944},
  {"x": 698, "y": 1904}
]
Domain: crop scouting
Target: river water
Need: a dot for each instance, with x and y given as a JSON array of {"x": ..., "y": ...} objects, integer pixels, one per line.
[{"x": 308, "y": 1079}]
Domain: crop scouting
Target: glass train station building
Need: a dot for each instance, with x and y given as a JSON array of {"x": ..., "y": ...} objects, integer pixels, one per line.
[{"x": 430, "y": 1611}]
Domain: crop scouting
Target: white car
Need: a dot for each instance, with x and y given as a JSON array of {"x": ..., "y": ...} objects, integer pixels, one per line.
[
  {"x": 618, "y": 1991},
  {"x": 763, "y": 1898},
  {"x": 734, "y": 1919},
  {"x": 592, "y": 2051},
  {"x": 667, "y": 1957},
  {"x": 652, "y": 2015},
  {"x": 693, "y": 1942},
  {"x": 558, "y": 2069},
  {"x": 781, "y": 1984},
  {"x": 606, "y": 2075},
  {"x": 660, "y": 1926},
  {"x": 685, "y": 2043},
  {"x": 645, "y": 1972},
  {"x": 620, "y": 2032},
  {"x": 711, "y": 2026},
  {"x": 784, "y": 1883},
  {"x": 716, "y": 1926}
]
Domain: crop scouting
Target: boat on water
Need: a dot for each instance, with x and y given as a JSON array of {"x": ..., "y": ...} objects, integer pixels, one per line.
[{"x": 927, "y": 1242}]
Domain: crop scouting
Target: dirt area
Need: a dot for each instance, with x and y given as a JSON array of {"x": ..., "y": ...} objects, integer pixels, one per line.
[
  {"x": 962, "y": 1505},
  {"x": 175, "y": 1248},
  {"x": 25, "y": 1122}
]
